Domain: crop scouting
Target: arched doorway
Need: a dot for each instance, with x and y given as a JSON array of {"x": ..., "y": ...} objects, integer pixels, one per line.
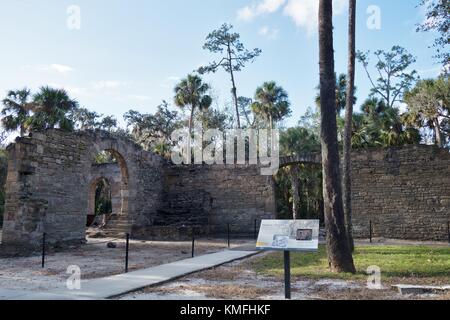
[
  {"x": 298, "y": 187},
  {"x": 100, "y": 202},
  {"x": 108, "y": 196}
]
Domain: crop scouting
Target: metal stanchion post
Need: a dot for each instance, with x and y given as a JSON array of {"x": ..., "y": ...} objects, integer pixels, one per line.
[
  {"x": 127, "y": 247},
  {"x": 43, "y": 249},
  {"x": 228, "y": 233},
  {"x": 193, "y": 243}
]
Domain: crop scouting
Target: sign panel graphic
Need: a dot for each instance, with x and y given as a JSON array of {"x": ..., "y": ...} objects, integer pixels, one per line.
[{"x": 289, "y": 235}]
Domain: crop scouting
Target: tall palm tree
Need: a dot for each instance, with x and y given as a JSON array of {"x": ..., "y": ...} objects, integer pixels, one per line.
[
  {"x": 339, "y": 253},
  {"x": 271, "y": 103},
  {"x": 347, "y": 167},
  {"x": 16, "y": 110},
  {"x": 191, "y": 92},
  {"x": 53, "y": 108}
]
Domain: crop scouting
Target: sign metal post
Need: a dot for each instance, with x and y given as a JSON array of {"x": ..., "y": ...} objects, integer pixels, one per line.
[
  {"x": 287, "y": 236},
  {"x": 287, "y": 275}
]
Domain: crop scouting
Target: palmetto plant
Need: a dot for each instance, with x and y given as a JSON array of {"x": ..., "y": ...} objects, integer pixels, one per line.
[
  {"x": 384, "y": 126},
  {"x": 52, "y": 108},
  {"x": 16, "y": 110},
  {"x": 271, "y": 103},
  {"x": 191, "y": 93}
]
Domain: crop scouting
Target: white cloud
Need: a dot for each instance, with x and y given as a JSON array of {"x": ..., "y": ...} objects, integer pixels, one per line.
[
  {"x": 173, "y": 79},
  {"x": 248, "y": 13},
  {"x": 72, "y": 90},
  {"x": 140, "y": 97},
  {"x": 60, "y": 68},
  {"x": 170, "y": 82},
  {"x": 305, "y": 13},
  {"x": 108, "y": 84},
  {"x": 268, "y": 32}
]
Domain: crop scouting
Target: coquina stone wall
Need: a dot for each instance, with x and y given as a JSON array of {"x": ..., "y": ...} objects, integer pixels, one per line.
[
  {"x": 48, "y": 186},
  {"x": 51, "y": 182},
  {"x": 216, "y": 196},
  {"x": 405, "y": 192}
]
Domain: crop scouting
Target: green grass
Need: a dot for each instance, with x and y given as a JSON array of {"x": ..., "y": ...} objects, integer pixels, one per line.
[{"x": 394, "y": 261}]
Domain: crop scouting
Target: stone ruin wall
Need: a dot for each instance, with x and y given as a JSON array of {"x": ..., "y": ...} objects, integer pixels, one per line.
[
  {"x": 50, "y": 184},
  {"x": 404, "y": 191},
  {"x": 49, "y": 179},
  {"x": 215, "y": 196}
]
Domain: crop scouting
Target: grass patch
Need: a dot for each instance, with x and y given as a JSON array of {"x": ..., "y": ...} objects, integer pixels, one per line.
[{"x": 394, "y": 261}]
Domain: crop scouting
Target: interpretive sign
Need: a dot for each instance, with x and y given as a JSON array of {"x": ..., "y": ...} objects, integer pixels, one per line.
[{"x": 289, "y": 235}]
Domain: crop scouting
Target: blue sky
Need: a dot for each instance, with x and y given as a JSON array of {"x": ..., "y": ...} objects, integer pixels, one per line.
[{"x": 129, "y": 54}]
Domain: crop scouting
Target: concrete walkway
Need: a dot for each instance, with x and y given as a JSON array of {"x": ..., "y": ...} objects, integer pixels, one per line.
[{"x": 113, "y": 286}]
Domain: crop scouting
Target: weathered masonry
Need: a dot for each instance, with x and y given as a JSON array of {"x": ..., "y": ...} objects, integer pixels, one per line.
[
  {"x": 405, "y": 192},
  {"x": 52, "y": 177}
]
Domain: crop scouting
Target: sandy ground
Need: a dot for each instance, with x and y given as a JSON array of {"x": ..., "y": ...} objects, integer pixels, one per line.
[
  {"x": 96, "y": 260},
  {"x": 237, "y": 281}
]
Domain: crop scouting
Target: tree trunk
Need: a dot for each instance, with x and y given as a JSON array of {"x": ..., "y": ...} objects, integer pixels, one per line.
[
  {"x": 437, "y": 133},
  {"x": 189, "y": 147},
  {"x": 233, "y": 89},
  {"x": 339, "y": 253},
  {"x": 295, "y": 191},
  {"x": 349, "y": 123}
]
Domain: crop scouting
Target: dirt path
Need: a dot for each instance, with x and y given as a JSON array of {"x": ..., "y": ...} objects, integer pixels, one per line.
[
  {"x": 96, "y": 261},
  {"x": 238, "y": 281}
]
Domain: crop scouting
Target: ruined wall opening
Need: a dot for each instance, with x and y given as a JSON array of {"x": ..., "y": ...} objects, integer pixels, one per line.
[
  {"x": 101, "y": 206},
  {"x": 298, "y": 192},
  {"x": 108, "y": 191}
]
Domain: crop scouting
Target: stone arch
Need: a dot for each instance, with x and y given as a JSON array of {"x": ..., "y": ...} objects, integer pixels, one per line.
[
  {"x": 125, "y": 153},
  {"x": 114, "y": 183},
  {"x": 53, "y": 169},
  {"x": 119, "y": 182},
  {"x": 307, "y": 161},
  {"x": 304, "y": 158}
]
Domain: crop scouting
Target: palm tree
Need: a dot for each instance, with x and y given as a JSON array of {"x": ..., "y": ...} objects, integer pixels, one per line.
[
  {"x": 341, "y": 93},
  {"x": 16, "y": 110},
  {"x": 347, "y": 167},
  {"x": 53, "y": 108},
  {"x": 191, "y": 92},
  {"x": 339, "y": 253},
  {"x": 271, "y": 103}
]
